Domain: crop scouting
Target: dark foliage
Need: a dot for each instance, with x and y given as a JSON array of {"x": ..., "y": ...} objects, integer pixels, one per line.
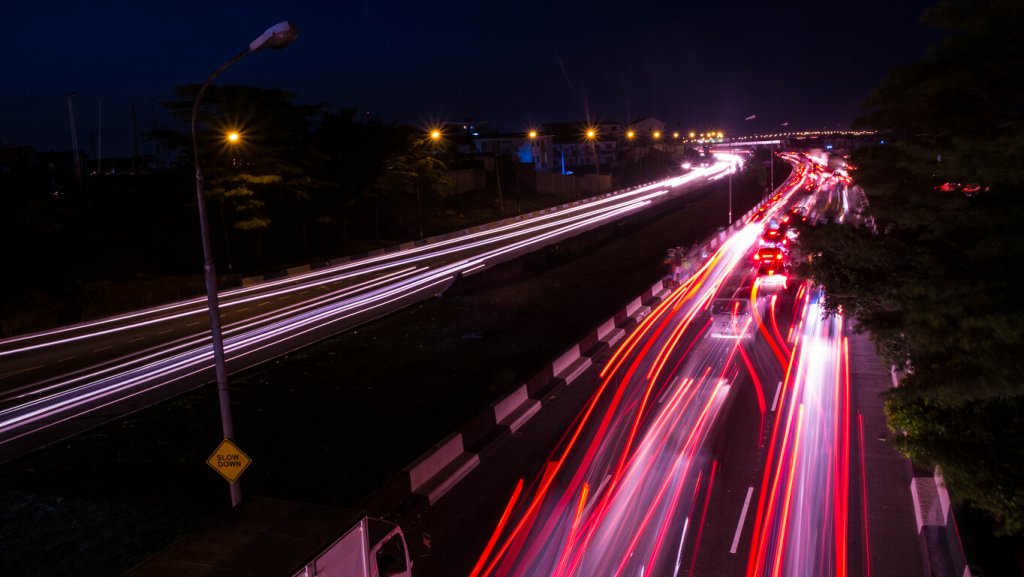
[{"x": 935, "y": 281}]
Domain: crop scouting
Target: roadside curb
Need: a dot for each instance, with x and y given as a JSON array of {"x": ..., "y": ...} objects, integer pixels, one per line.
[{"x": 936, "y": 526}]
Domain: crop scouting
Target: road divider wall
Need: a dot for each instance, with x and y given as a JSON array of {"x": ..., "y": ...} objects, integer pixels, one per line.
[{"x": 442, "y": 467}]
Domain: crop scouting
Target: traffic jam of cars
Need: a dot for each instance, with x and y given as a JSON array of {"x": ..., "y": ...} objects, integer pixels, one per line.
[{"x": 772, "y": 255}]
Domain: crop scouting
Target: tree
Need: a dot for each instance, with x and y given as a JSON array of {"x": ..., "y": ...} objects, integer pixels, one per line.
[
  {"x": 417, "y": 168},
  {"x": 935, "y": 284},
  {"x": 268, "y": 174},
  {"x": 356, "y": 150}
]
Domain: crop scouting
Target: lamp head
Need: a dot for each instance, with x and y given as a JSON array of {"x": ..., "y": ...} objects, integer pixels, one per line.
[{"x": 277, "y": 36}]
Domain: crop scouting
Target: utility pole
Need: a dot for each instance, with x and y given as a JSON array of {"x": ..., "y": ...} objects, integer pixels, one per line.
[
  {"x": 99, "y": 141},
  {"x": 154, "y": 127},
  {"x": 135, "y": 142},
  {"x": 730, "y": 195},
  {"x": 515, "y": 163},
  {"x": 74, "y": 141},
  {"x": 497, "y": 176}
]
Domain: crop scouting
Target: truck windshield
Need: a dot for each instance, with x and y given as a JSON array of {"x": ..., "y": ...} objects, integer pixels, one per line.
[{"x": 391, "y": 557}]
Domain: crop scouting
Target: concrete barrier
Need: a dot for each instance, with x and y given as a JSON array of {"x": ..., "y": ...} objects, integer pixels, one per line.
[
  {"x": 927, "y": 505},
  {"x": 441, "y": 468},
  {"x": 515, "y": 409},
  {"x": 438, "y": 471},
  {"x": 606, "y": 329},
  {"x": 634, "y": 306},
  {"x": 571, "y": 365}
]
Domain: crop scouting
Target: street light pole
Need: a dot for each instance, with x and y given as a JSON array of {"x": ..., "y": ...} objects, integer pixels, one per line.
[
  {"x": 730, "y": 192},
  {"x": 497, "y": 176},
  {"x": 771, "y": 157},
  {"x": 655, "y": 138},
  {"x": 277, "y": 36},
  {"x": 592, "y": 137}
]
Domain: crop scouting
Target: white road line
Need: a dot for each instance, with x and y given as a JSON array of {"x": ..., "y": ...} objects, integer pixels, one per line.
[
  {"x": 778, "y": 389},
  {"x": 679, "y": 552},
  {"x": 743, "y": 517},
  {"x": 25, "y": 370},
  {"x": 594, "y": 495}
]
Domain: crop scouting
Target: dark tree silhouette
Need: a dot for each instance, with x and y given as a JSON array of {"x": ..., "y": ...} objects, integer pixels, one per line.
[{"x": 935, "y": 283}]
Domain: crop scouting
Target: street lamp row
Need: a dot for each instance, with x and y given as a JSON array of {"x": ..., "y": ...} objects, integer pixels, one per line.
[{"x": 592, "y": 134}]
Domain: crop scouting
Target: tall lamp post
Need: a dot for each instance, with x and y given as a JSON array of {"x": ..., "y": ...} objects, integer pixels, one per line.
[
  {"x": 771, "y": 158},
  {"x": 731, "y": 167},
  {"x": 591, "y": 135},
  {"x": 277, "y": 36},
  {"x": 531, "y": 136},
  {"x": 630, "y": 137},
  {"x": 655, "y": 139},
  {"x": 436, "y": 137}
]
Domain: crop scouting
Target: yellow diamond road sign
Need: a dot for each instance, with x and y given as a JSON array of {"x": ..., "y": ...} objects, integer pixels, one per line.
[{"x": 229, "y": 461}]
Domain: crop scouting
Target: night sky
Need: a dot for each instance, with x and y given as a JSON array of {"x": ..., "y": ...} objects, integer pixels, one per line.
[{"x": 692, "y": 65}]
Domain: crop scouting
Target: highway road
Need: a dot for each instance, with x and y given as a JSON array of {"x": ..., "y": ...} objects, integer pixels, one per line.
[
  {"x": 690, "y": 451},
  {"x": 56, "y": 383}
]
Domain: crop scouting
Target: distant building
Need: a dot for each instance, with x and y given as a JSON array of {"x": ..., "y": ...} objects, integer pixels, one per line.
[
  {"x": 536, "y": 150},
  {"x": 648, "y": 127},
  {"x": 560, "y": 147},
  {"x": 17, "y": 159},
  {"x": 468, "y": 127},
  {"x": 574, "y": 152},
  {"x": 25, "y": 159}
]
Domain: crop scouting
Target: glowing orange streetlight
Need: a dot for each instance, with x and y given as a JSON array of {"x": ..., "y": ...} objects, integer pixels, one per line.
[
  {"x": 656, "y": 135},
  {"x": 435, "y": 134},
  {"x": 233, "y": 139}
]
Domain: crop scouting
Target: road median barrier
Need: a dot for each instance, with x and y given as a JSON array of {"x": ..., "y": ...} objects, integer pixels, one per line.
[{"x": 436, "y": 472}]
